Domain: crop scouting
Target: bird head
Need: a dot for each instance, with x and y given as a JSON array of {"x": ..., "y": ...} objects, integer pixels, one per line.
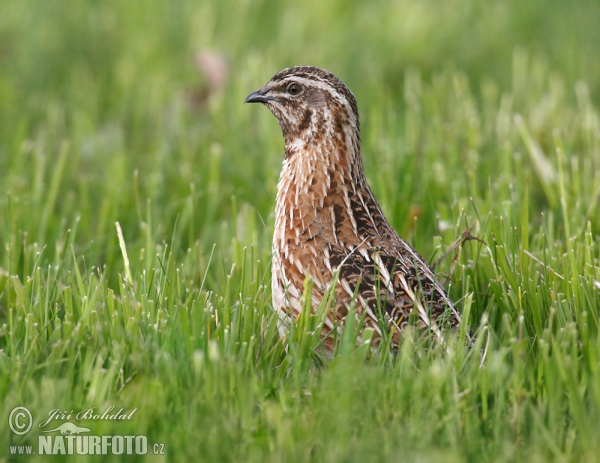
[{"x": 310, "y": 103}]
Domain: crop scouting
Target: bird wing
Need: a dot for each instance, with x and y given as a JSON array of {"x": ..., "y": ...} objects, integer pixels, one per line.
[{"x": 391, "y": 287}]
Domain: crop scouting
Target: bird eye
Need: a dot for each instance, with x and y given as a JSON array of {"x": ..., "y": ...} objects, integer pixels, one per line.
[{"x": 294, "y": 89}]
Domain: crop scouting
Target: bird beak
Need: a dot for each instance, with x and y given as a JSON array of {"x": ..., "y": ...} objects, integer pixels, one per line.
[{"x": 259, "y": 96}]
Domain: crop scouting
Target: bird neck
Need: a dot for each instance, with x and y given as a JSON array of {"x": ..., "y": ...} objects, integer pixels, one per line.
[
  {"x": 317, "y": 179},
  {"x": 318, "y": 163}
]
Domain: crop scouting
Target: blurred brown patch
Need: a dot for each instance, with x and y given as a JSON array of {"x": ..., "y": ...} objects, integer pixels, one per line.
[
  {"x": 415, "y": 214},
  {"x": 213, "y": 67}
]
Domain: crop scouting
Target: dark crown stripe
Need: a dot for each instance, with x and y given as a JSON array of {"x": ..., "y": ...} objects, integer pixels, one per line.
[{"x": 318, "y": 74}]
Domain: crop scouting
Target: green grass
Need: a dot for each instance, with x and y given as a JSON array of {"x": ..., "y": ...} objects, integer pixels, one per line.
[{"x": 470, "y": 110}]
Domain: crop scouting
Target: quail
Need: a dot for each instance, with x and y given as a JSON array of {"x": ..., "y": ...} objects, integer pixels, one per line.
[{"x": 329, "y": 226}]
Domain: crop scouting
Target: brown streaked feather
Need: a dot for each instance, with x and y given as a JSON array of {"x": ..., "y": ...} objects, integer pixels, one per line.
[{"x": 327, "y": 219}]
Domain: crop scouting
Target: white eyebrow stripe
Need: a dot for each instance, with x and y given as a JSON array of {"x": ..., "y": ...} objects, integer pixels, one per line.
[{"x": 322, "y": 85}]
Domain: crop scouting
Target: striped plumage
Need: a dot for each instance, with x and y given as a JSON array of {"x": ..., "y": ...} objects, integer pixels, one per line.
[{"x": 327, "y": 217}]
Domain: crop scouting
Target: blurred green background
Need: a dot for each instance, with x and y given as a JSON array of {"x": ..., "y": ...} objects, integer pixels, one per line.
[
  {"x": 117, "y": 86},
  {"x": 131, "y": 112}
]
